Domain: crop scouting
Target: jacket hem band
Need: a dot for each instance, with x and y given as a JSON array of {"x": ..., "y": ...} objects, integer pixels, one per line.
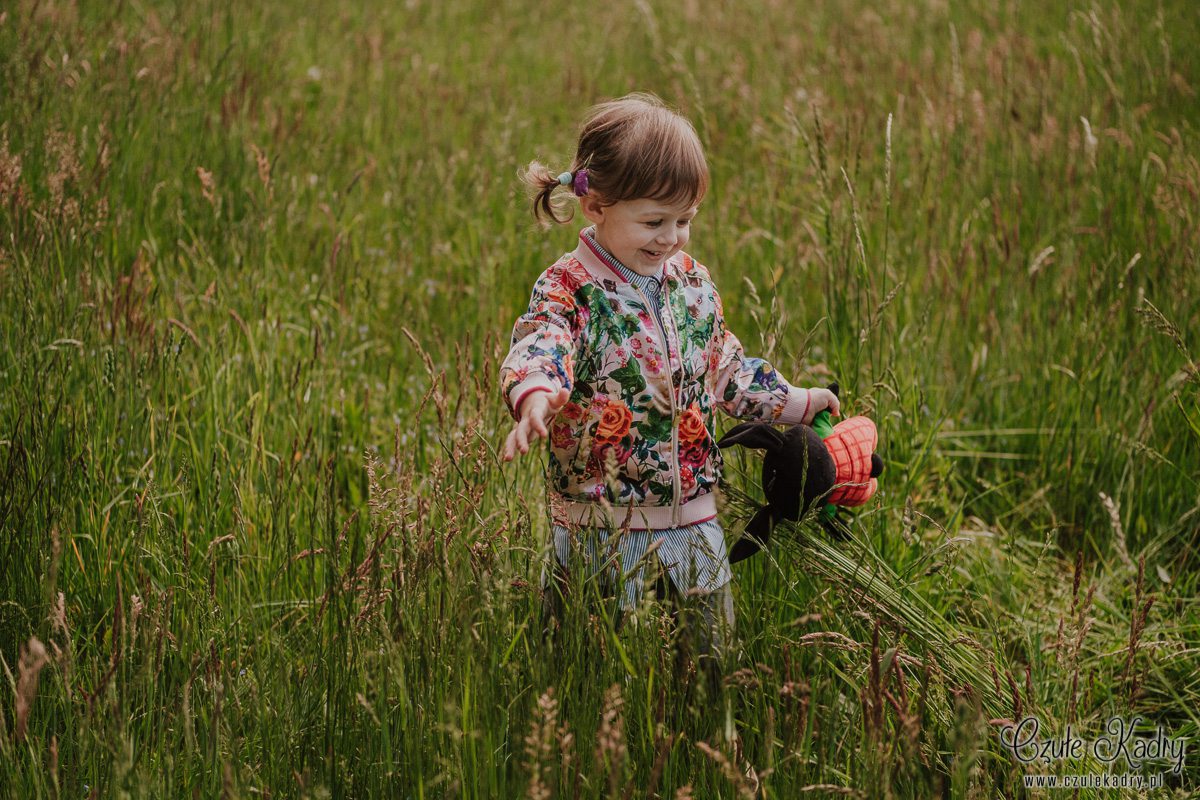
[{"x": 701, "y": 509}]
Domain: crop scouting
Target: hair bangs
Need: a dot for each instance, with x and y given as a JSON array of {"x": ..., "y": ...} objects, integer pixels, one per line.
[
  {"x": 679, "y": 183},
  {"x": 664, "y": 160}
]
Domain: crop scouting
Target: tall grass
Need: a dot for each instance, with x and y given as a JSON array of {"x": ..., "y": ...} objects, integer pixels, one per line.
[{"x": 257, "y": 273}]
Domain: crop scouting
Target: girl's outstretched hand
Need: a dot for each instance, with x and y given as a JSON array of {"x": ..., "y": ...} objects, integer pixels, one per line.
[
  {"x": 821, "y": 399},
  {"x": 535, "y": 410}
]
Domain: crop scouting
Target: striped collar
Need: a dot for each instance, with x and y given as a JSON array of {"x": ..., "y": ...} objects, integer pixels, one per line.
[{"x": 653, "y": 282}]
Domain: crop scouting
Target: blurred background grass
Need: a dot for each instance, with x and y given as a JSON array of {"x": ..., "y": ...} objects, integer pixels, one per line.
[{"x": 257, "y": 270}]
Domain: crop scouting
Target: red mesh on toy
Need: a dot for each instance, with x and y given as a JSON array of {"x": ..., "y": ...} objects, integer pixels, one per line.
[{"x": 851, "y": 445}]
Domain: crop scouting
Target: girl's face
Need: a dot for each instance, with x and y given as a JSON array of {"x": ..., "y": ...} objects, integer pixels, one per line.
[{"x": 641, "y": 234}]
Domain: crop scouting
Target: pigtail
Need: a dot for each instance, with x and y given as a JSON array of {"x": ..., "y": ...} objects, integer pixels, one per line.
[{"x": 542, "y": 183}]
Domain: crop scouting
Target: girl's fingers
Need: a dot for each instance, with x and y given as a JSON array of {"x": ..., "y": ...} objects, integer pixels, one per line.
[{"x": 531, "y": 427}]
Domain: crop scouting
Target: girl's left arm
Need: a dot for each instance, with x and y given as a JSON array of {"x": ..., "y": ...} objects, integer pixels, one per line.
[{"x": 749, "y": 388}]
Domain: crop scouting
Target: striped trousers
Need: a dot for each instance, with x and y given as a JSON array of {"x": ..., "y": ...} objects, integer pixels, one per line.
[{"x": 687, "y": 567}]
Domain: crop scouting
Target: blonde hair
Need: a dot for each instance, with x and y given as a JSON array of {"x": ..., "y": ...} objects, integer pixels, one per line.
[{"x": 634, "y": 147}]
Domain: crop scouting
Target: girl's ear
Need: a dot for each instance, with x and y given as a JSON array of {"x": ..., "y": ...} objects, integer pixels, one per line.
[{"x": 589, "y": 204}]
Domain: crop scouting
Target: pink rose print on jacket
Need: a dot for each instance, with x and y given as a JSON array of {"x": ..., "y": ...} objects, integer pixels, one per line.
[
  {"x": 694, "y": 442},
  {"x": 687, "y": 479},
  {"x": 572, "y": 411},
  {"x": 614, "y": 423},
  {"x": 612, "y": 434}
]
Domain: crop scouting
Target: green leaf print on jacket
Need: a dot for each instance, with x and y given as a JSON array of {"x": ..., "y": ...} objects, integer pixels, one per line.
[
  {"x": 694, "y": 328},
  {"x": 655, "y": 427},
  {"x": 630, "y": 326},
  {"x": 630, "y": 378}
]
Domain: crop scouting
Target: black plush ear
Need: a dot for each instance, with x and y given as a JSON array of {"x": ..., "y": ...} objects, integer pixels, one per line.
[
  {"x": 759, "y": 435},
  {"x": 876, "y": 465},
  {"x": 757, "y": 532}
]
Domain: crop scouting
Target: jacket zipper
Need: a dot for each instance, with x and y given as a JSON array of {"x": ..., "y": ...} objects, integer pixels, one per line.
[{"x": 675, "y": 479}]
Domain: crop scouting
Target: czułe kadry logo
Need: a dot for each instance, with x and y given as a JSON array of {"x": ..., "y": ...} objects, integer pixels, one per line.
[{"x": 1120, "y": 740}]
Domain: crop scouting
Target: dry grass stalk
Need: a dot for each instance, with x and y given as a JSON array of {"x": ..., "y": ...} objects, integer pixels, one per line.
[
  {"x": 839, "y": 641},
  {"x": 118, "y": 627},
  {"x": 744, "y": 677},
  {"x": 127, "y": 302},
  {"x": 1137, "y": 624},
  {"x": 796, "y": 696},
  {"x": 33, "y": 659},
  {"x": 1154, "y": 318},
  {"x": 10, "y": 176},
  {"x": 62, "y": 655},
  {"x": 830, "y": 788},
  {"x": 208, "y": 187},
  {"x": 263, "y": 164},
  {"x": 1114, "y": 518},
  {"x": 876, "y": 317},
  {"x": 54, "y": 762},
  {"x": 1089, "y": 142},
  {"x": 1083, "y": 624},
  {"x": 887, "y": 159},
  {"x": 611, "y": 749},
  {"x": 957, "y": 82},
  {"x": 740, "y": 782},
  {"x": 1018, "y": 705},
  {"x": 660, "y": 762},
  {"x": 910, "y": 722},
  {"x": 61, "y": 149},
  {"x": 136, "y": 607},
  {"x": 545, "y": 732},
  {"x": 858, "y": 238},
  {"x": 872, "y": 694}
]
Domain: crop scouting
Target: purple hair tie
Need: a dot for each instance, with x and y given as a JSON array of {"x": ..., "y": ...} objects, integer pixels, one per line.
[{"x": 580, "y": 183}]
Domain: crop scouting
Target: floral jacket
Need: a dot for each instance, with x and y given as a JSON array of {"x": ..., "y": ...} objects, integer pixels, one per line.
[{"x": 635, "y": 444}]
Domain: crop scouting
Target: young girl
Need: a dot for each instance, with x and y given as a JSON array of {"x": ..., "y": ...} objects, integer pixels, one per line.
[{"x": 623, "y": 357}]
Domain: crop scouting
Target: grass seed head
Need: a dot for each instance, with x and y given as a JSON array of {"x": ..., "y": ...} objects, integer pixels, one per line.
[{"x": 33, "y": 659}]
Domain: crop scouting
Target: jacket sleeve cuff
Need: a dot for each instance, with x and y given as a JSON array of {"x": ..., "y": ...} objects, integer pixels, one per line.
[
  {"x": 795, "y": 410},
  {"x": 536, "y": 382}
]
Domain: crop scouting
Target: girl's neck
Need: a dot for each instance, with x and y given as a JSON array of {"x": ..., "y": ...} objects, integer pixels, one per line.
[{"x": 653, "y": 273}]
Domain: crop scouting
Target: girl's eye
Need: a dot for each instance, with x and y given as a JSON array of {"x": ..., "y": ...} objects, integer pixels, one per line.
[
  {"x": 655, "y": 223},
  {"x": 683, "y": 223}
]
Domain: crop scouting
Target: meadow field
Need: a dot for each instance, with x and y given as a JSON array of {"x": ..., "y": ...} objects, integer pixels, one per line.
[{"x": 259, "y": 264}]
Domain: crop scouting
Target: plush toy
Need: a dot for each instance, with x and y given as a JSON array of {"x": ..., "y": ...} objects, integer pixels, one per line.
[{"x": 833, "y": 464}]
